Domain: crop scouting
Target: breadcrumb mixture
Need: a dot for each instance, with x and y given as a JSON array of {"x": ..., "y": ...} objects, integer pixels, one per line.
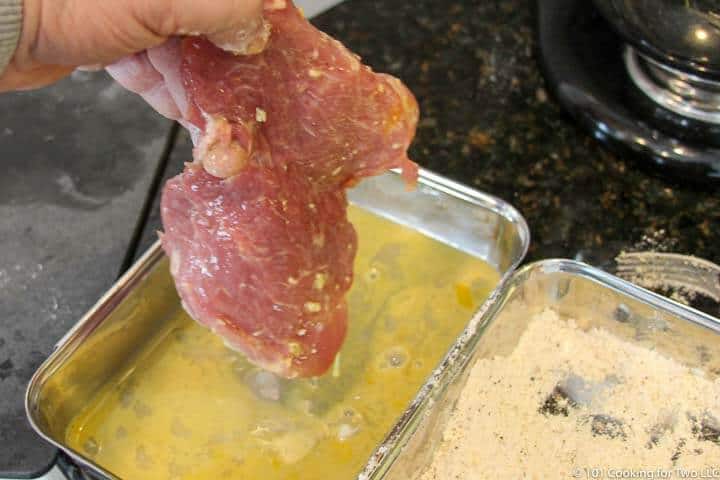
[{"x": 568, "y": 403}]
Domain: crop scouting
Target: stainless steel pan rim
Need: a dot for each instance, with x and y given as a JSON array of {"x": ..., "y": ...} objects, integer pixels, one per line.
[
  {"x": 620, "y": 285},
  {"x": 455, "y": 362},
  {"x": 135, "y": 275}
]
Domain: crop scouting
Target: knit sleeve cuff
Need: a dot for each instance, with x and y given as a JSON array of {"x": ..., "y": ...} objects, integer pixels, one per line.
[{"x": 10, "y": 26}]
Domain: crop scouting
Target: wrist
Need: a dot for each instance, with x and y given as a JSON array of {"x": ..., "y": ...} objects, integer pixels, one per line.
[{"x": 11, "y": 20}]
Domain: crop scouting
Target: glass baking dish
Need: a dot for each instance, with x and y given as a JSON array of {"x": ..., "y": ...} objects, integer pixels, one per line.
[
  {"x": 139, "y": 307},
  {"x": 573, "y": 290}
]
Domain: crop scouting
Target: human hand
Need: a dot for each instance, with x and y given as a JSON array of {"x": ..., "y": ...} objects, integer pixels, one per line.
[{"x": 61, "y": 35}]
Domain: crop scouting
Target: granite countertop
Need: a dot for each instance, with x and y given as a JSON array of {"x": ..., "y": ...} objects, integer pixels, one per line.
[{"x": 487, "y": 120}]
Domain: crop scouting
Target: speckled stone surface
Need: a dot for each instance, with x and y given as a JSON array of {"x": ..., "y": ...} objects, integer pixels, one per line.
[
  {"x": 77, "y": 161},
  {"x": 488, "y": 121}
]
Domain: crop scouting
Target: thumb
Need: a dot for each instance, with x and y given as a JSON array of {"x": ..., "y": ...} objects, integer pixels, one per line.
[
  {"x": 88, "y": 32},
  {"x": 235, "y": 25}
]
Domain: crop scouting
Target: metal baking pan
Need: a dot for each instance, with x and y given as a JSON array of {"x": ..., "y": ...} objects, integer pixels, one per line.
[
  {"x": 572, "y": 290},
  {"x": 138, "y": 306}
]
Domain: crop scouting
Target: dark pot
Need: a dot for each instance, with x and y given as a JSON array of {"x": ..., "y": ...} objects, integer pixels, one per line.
[{"x": 684, "y": 34}]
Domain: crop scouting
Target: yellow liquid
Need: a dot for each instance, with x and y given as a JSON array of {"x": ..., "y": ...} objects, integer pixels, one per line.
[{"x": 189, "y": 408}]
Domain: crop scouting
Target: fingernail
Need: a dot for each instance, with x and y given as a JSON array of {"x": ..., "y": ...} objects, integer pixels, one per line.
[
  {"x": 271, "y": 5},
  {"x": 246, "y": 40},
  {"x": 90, "y": 68}
]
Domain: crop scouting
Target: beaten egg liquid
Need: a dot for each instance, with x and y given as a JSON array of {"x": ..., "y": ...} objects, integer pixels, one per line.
[{"x": 189, "y": 408}]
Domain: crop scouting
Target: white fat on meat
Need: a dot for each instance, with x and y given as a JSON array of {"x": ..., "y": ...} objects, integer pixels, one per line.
[{"x": 219, "y": 155}]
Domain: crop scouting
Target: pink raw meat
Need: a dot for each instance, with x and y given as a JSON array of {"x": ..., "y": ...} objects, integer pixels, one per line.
[{"x": 256, "y": 228}]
